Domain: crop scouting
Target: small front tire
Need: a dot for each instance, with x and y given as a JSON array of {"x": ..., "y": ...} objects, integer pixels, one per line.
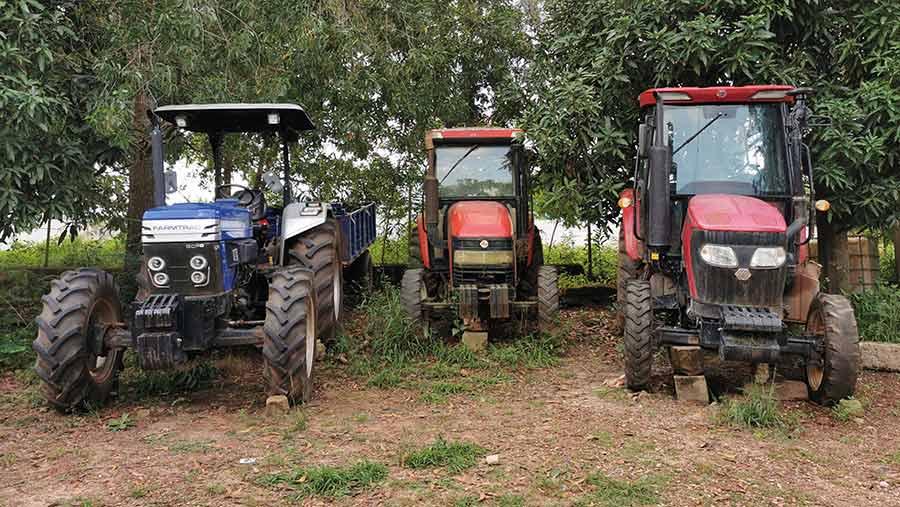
[
  {"x": 638, "y": 334},
  {"x": 831, "y": 317},
  {"x": 548, "y": 297}
]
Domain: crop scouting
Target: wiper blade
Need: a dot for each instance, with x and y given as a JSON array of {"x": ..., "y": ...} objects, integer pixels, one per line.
[
  {"x": 458, "y": 161},
  {"x": 718, "y": 115}
]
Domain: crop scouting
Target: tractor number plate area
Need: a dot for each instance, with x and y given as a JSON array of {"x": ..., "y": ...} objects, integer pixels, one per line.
[
  {"x": 750, "y": 318},
  {"x": 159, "y": 350},
  {"x": 159, "y": 311}
]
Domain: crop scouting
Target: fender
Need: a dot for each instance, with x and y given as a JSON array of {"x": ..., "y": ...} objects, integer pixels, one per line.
[
  {"x": 299, "y": 217},
  {"x": 423, "y": 241},
  {"x": 629, "y": 222}
]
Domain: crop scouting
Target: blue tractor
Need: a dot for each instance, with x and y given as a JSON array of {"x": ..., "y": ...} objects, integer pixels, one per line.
[{"x": 233, "y": 272}]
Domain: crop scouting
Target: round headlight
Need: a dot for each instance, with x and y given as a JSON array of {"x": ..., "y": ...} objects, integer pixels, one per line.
[
  {"x": 198, "y": 277},
  {"x": 198, "y": 262},
  {"x": 161, "y": 279},
  {"x": 156, "y": 264}
]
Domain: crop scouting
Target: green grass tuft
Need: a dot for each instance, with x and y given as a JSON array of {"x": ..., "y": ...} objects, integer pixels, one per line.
[
  {"x": 757, "y": 409},
  {"x": 609, "y": 492},
  {"x": 122, "y": 423},
  {"x": 328, "y": 481},
  {"x": 878, "y": 313},
  {"x": 452, "y": 456}
]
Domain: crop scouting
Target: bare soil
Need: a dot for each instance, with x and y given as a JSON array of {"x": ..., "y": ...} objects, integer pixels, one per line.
[{"x": 552, "y": 428}]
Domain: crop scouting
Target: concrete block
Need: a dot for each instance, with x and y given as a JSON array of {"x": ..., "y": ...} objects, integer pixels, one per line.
[
  {"x": 791, "y": 390},
  {"x": 686, "y": 360},
  {"x": 880, "y": 356},
  {"x": 277, "y": 404},
  {"x": 691, "y": 388},
  {"x": 475, "y": 340}
]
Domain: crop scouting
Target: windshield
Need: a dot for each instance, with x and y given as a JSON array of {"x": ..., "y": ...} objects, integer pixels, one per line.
[
  {"x": 480, "y": 171},
  {"x": 740, "y": 151}
]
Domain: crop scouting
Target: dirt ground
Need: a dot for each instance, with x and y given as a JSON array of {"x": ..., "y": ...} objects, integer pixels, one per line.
[{"x": 552, "y": 429}]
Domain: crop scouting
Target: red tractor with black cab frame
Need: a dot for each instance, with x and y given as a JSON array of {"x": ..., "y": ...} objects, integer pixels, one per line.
[
  {"x": 475, "y": 252},
  {"x": 713, "y": 244}
]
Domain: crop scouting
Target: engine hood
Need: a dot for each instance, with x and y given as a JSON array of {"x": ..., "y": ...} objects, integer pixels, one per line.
[
  {"x": 738, "y": 213},
  {"x": 479, "y": 219}
]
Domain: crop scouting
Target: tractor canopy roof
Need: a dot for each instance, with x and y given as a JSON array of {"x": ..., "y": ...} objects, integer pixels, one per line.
[
  {"x": 718, "y": 95},
  {"x": 470, "y": 135},
  {"x": 225, "y": 118}
]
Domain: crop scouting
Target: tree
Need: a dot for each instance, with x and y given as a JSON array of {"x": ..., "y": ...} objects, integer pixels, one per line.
[{"x": 594, "y": 58}]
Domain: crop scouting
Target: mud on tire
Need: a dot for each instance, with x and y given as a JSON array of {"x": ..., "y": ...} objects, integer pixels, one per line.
[
  {"x": 638, "y": 334},
  {"x": 317, "y": 251},
  {"x": 75, "y": 368},
  {"x": 548, "y": 297},
  {"x": 289, "y": 334},
  {"x": 831, "y": 316}
]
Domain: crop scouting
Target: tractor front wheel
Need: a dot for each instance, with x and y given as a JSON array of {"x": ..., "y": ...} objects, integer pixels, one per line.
[
  {"x": 412, "y": 293},
  {"x": 548, "y": 297},
  {"x": 638, "y": 334},
  {"x": 72, "y": 361},
  {"x": 317, "y": 251},
  {"x": 289, "y": 334},
  {"x": 831, "y": 317}
]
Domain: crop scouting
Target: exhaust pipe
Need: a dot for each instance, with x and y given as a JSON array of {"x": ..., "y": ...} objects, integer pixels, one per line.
[
  {"x": 157, "y": 156},
  {"x": 660, "y": 209}
]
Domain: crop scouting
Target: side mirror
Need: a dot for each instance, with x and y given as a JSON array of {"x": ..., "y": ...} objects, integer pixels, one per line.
[
  {"x": 171, "y": 182},
  {"x": 643, "y": 140},
  {"x": 272, "y": 182}
]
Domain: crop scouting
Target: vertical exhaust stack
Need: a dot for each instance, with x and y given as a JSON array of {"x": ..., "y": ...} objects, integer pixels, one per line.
[
  {"x": 430, "y": 188},
  {"x": 157, "y": 155},
  {"x": 660, "y": 207}
]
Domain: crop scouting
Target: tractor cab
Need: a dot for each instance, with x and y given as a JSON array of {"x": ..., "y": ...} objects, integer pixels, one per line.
[{"x": 714, "y": 233}]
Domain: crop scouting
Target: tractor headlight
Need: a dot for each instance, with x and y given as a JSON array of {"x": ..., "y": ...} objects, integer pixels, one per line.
[
  {"x": 161, "y": 279},
  {"x": 198, "y": 262},
  {"x": 156, "y": 264},
  {"x": 198, "y": 277},
  {"x": 719, "y": 256},
  {"x": 769, "y": 257}
]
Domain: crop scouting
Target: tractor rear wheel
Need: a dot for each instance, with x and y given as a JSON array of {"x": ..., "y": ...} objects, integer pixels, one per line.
[
  {"x": 831, "y": 317},
  {"x": 317, "y": 251},
  {"x": 72, "y": 361},
  {"x": 628, "y": 270},
  {"x": 638, "y": 334},
  {"x": 412, "y": 293},
  {"x": 548, "y": 297},
  {"x": 289, "y": 334}
]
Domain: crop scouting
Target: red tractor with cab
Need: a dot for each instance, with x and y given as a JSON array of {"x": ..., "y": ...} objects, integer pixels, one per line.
[
  {"x": 713, "y": 243},
  {"x": 475, "y": 251}
]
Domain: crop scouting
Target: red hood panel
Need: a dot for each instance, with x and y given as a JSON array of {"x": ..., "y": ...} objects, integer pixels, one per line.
[
  {"x": 726, "y": 212},
  {"x": 479, "y": 219}
]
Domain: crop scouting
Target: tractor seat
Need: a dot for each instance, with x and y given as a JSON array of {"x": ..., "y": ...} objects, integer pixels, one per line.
[{"x": 257, "y": 205}]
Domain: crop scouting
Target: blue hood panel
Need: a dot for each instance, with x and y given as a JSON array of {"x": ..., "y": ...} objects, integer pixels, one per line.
[{"x": 223, "y": 209}]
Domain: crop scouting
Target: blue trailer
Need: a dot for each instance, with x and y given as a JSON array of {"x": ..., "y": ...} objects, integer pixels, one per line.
[{"x": 235, "y": 271}]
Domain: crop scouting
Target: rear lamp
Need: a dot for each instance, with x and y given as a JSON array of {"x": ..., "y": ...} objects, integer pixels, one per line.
[
  {"x": 198, "y": 277},
  {"x": 156, "y": 264},
  {"x": 198, "y": 262},
  {"x": 624, "y": 202},
  {"x": 769, "y": 257},
  {"x": 160, "y": 279},
  {"x": 181, "y": 121},
  {"x": 719, "y": 256}
]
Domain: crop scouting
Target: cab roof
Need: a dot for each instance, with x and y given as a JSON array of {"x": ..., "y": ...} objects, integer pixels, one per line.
[
  {"x": 213, "y": 118},
  {"x": 718, "y": 95},
  {"x": 471, "y": 134}
]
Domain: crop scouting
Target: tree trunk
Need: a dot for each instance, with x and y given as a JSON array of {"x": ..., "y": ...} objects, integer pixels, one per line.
[
  {"x": 834, "y": 255},
  {"x": 140, "y": 181},
  {"x": 895, "y": 237}
]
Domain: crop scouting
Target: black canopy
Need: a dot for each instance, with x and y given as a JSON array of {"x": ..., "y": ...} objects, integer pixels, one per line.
[{"x": 224, "y": 118}]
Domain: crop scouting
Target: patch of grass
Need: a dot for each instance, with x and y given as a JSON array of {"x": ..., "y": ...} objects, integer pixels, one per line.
[
  {"x": 190, "y": 446},
  {"x": 466, "y": 501},
  {"x": 510, "y": 500},
  {"x": 892, "y": 459},
  {"x": 296, "y": 423},
  {"x": 121, "y": 423},
  {"x": 603, "y": 438},
  {"x": 878, "y": 313},
  {"x": 104, "y": 253},
  {"x": 757, "y": 409},
  {"x": 540, "y": 351},
  {"x": 138, "y": 492},
  {"x": 848, "y": 408},
  {"x": 610, "y": 492},
  {"x": 328, "y": 481},
  {"x": 215, "y": 489},
  {"x": 452, "y": 456},
  {"x": 145, "y": 383}
]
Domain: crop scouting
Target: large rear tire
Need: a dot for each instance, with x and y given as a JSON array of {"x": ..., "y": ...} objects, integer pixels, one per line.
[
  {"x": 289, "y": 335},
  {"x": 548, "y": 297},
  {"x": 638, "y": 334},
  {"x": 317, "y": 251},
  {"x": 76, "y": 368},
  {"x": 831, "y": 317}
]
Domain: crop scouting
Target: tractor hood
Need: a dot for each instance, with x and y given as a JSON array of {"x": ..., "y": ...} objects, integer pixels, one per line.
[
  {"x": 734, "y": 213},
  {"x": 479, "y": 219}
]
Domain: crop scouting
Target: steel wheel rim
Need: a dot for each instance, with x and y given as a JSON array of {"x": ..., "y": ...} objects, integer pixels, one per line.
[
  {"x": 100, "y": 367},
  {"x": 310, "y": 338},
  {"x": 336, "y": 291},
  {"x": 815, "y": 373}
]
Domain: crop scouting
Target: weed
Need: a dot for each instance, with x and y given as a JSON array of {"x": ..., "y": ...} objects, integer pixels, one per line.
[
  {"x": 466, "y": 501},
  {"x": 162, "y": 383},
  {"x": 121, "y": 423},
  {"x": 296, "y": 423},
  {"x": 878, "y": 313},
  {"x": 331, "y": 482},
  {"x": 603, "y": 438},
  {"x": 8, "y": 459},
  {"x": 848, "y": 408},
  {"x": 509, "y": 500},
  {"x": 189, "y": 446},
  {"x": 215, "y": 489},
  {"x": 609, "y": 492},
  {"x": 138, "y": 492},
  {"x": 452, "y": 456},
  {"x": 757, "y": 409}
]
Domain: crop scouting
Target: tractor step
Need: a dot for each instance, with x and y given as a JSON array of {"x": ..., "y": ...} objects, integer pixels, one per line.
[{"x": 750, "y": 318}]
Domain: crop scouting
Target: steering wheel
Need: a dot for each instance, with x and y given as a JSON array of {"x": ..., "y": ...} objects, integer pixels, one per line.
[{"x": 245, "y": 196}]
